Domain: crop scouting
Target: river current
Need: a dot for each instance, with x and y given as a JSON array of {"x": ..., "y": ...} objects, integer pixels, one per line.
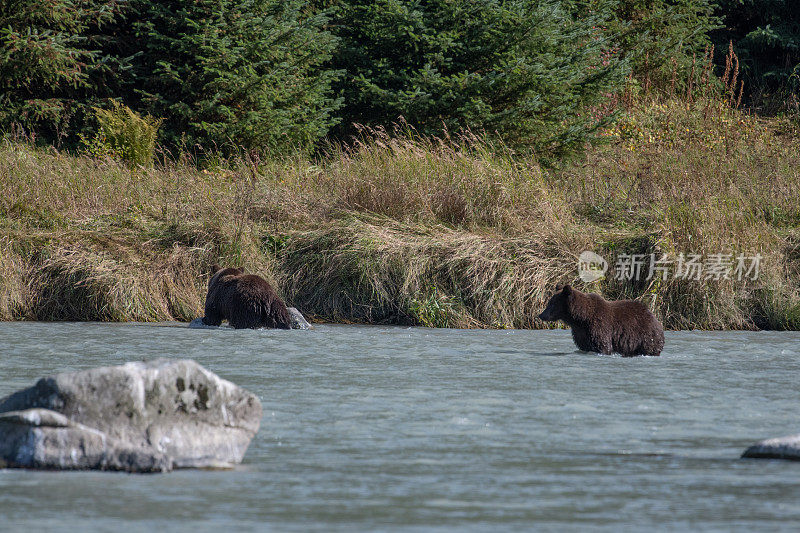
[{"x": 391, "y": 428}]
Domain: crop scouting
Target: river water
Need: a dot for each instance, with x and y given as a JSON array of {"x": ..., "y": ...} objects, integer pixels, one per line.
[{"x": 390, "y": 428}]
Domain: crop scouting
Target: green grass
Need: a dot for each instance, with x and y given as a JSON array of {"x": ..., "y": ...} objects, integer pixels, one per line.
[{"x": 456, "y": 233}]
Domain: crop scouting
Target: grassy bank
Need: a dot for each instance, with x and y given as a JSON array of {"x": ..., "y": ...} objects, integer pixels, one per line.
[{"x": 397, "y": 229}]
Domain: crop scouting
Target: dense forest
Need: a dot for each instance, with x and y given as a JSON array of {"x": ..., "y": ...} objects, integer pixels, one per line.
[
  {"x": 438, "y": 163},
  {"x": 281, "y": 75}
]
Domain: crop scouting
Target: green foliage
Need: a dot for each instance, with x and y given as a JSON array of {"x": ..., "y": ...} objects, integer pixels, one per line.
[
  {"x": 232, "y": 73},
  {"x": 51, "y": 68},
  {"x": 276, "y": 75},
  {"x": 125, "y": 134},
  {"x": 239, "y": 72},
  {"x": 273, "y": 244},
  {"x": 660, "y": 37},
  {"x": 433, "y": 311},
  {"x": 524, "y": 69}
]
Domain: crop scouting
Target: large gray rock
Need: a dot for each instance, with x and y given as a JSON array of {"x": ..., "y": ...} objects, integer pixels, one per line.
[
  {"x": 138, "y": 417},
  {"x": 780, "y": 448}
]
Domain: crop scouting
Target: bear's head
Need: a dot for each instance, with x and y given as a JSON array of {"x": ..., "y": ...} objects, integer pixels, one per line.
[
  {"x": 558, "y": 306},
  {"x": 217, "y": 272}
]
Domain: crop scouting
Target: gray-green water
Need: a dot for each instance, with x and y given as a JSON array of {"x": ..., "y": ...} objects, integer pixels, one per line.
[{"x": 378, "y": 428}]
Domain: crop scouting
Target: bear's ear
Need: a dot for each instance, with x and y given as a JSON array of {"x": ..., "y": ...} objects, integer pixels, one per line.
[
  {"x": 215, "y": 268},
  {"x": 559, "y": 287},
  {"x": 567, "y": 289}
]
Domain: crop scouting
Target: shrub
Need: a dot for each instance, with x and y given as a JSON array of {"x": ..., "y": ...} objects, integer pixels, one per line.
[{"x": 125, "y": 134}]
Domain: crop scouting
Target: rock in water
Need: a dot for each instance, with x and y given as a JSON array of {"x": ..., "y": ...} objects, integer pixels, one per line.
[
  {"x": 298, "y": 320},
  {"x": 197, "y": 323},
  {"x": 780, "y": 448},
  {"x": 138, "y": 417}
]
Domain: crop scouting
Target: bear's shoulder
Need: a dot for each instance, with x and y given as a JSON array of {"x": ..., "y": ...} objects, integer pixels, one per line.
[{"x": 586, "y": 306}]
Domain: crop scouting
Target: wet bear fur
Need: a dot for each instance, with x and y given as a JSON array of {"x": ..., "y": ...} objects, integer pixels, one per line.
[
  {"x": 244, "y": 300},
  {"x": 626, "y": 327}
]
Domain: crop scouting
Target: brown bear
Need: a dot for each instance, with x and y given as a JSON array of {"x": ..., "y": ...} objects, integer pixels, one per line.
[
  {"x": 245, "y": 300},
  {"x": 626, "y": 327}
]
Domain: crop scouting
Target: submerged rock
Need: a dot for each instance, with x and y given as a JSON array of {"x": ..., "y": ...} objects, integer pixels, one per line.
[
  {"x": 137, "y": 417},
  {"x": 197, "y": 323},
  {"x": 779, "y": 448},
  {"x": 298, "y": 321}
]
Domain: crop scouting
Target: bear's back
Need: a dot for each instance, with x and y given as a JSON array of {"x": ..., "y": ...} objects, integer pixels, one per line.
[
  {"x": 245, "y": 300},
  {"x": 629, "y": 309}
]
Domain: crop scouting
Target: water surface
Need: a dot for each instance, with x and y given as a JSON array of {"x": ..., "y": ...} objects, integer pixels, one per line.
[{"x": 388, "y": 428}]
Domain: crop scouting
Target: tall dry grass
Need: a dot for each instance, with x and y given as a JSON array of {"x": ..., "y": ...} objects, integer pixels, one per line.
[
  {"x": 376, "y": 269},
  {"x": 444, "y": 232}
]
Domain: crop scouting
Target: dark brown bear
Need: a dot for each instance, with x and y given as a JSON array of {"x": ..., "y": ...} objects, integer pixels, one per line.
[
  {"x": 245, "y": 300},
  {"x": 626, "y": 327}
]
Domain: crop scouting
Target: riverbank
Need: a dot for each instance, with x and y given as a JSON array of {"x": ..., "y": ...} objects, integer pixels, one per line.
[{"x": 453, "y": 233}]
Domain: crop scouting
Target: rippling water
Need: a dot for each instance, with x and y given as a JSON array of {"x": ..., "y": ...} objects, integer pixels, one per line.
[{"x": 376, "y": 428}]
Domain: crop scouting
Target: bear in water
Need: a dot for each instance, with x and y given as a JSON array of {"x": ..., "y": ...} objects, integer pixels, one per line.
[
  {"x": 626, "y": 327},
  {"x": 245, "y": 300}
]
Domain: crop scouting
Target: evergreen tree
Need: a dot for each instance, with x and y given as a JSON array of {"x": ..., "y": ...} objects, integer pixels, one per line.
[
  {"x": 240, "y": 73},
  {"x": 660, "y": 36},
  {"x": 524, "y": 69},
  {"x": 51, "y": 66}
]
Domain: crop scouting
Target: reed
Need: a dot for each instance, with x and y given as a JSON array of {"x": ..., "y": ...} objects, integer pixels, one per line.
[{"x": 398, "y": 228}]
